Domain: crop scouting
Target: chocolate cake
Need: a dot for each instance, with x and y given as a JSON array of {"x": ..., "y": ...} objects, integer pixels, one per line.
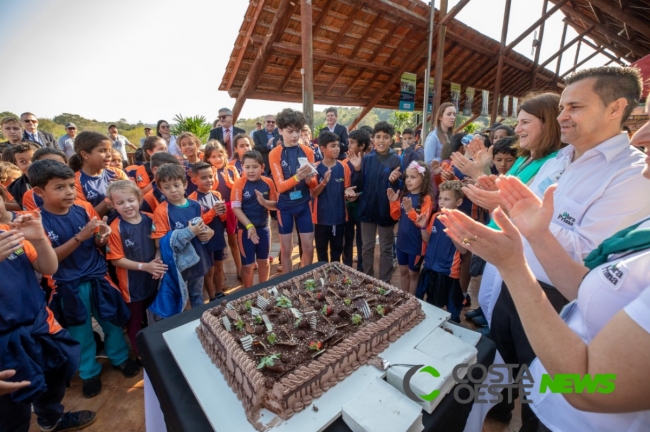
[{"x": 280, "y": 348}]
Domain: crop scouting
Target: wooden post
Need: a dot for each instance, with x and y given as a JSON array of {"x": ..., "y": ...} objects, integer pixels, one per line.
[
  {"x": 427, "y": 71},
  {"x": 307, "y": 62},
  {"x": 538, "y": 48},
  {"x": 497, "y": 84},
  {"x": 440, "y": 57},
  {"x": 559, "y": 60},
  {"x": 583, "y": 61},
  {"x": 575, "y": 60}
]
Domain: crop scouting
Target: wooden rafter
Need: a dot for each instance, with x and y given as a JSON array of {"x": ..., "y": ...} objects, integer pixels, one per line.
[
  {"x": 248, "y": 35},
  {"x": 583, "y": 61},
  {"x": 453, "y": 12},
  {"x": 623, "y": 17},
  {"x": 566, "y": 46}
]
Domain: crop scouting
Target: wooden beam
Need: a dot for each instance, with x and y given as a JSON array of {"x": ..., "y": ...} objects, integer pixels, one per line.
[
  {"x": 399, "y": 11},
  {"x": 280, "y": 21},
  {"x": 636, "y": 50},
  {"x": 453, "y": 12},
  {"x": 440, "y": 59},
  {"x": 287, "y": 78},
  {"x": 605, "y": 53},
  {"x": 562, "y": 49},
  {"x": 307, "y": 58},
  {"x": 583, "y": 61},
  {"x": 538, "y": 48},
  {"x": 625, "y": 18},
  {"x": 565, "y": 47},
  {"x": 497, "y": 82},
  {"x": 575, "y": 59},
  {"x": 378, "y": 95},
  {"x": 242, "y": 50},
  {"x": 467, "y": 122},
  {"x": 617, "y": 52},
  {"x": 319, "y": 55}
]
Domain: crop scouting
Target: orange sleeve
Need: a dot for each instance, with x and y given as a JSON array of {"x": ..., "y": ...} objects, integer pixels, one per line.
[
  {"x": 273, "y": 194},
  {"x": 430, "y": 225},
  {"x": 28, "y": 201},
  {"x": 10, "y": 197},
  {"x": 395, "y": 209},
  {"x": 223, "y": 216},
  {"x": 151, "y": 200},
  {"x": 425, "y": 208},
  {"x": 160, "y": 222},
  {"x": 313, "y": 182},
  {"x": 114, "y": 250},
  {"x": 77, "y": 185},
  {"x": 238, "y": 192},
  {"x": 275, "y": 160},
  {"x": 347, "y": 176},
  {"x": 30, "y": 251},
  {"x": 141, "y": 177},
  {"x": 120, "y": 175},
  {"x": 232, "y": 162}
]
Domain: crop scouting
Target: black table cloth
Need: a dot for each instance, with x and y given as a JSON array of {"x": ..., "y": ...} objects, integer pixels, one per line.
[{"x": 182, "y": 411}]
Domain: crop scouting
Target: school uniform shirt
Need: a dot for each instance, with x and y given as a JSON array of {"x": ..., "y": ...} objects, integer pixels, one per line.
[
  {"x": 18, "y": 188},
  {"x": 224, "y": 179},
  {"x": 141, "y": 175},
  {"x": 621, "y": 283},
  {"x": 191, "y": 187},
  {"x": 284, "y": 165},
  {"x": 32, "y": 340},
  {"x": 410, "y": 154},
  {"x": 409, "y": 235},
  {"x": 93, "y": 188},
  {"x": 151, "y": 199},
  {"x": 441, "y": 255},
  {"x": 169, "y": 217},
  {"x": 245, "y": 198},
  {"x": 211, "y": 218},
  {"x": 236, "y": 163},
  {"x": 596, "y": 196},
  {"x": 31, "y": 201},
  {"x": 133, "y": 242},
  {"x": 374, "y": 206},
  {"x": 329, "y": 208}
]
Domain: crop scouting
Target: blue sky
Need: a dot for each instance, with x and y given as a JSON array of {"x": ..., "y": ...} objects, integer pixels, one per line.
[{"x": 144, "y": 60}]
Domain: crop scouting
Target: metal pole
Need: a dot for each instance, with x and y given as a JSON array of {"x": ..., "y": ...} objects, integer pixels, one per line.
[
  {"x": 440, "y": 57},
  {"x": 496, "y": 94},
  {"x": 427, "y": 75},
  {"x": 307, "y": 62}
]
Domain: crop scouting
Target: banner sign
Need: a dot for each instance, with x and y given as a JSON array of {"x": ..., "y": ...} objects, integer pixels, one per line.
[
  {"x": 515, "y": 104},
  {"x": 469, "y": 100},
  {"x": 407, "y": 92},
  {"x": 504, "y": 111},
  {"x": 455, "y": 95},
  {"x": 485, "y": 106}
]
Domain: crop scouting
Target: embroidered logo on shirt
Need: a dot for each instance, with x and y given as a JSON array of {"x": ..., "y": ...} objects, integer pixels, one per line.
[
  {"x": 613, "y": 275},
  {"x": 139, "y": 178},
  {"x": 52, "y": 236},
  {"x": 129, "y": 243},
  {"x": 179, "y": 225},
  {"x": 16, "y": 254},
  {"x": 90, "y": 194},
  {"x": 247, "y": 194},
  {"x": 566, "y": 218},
  {"x": 284, "y": 164},
  {"x": 339, "y": 180}
]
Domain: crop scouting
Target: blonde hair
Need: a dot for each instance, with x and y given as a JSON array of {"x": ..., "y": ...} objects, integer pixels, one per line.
[
  {"x": 124, "y": 185},
  {"x": 191, "y": 136},
  {"x": 452, "y": 185},
  {"x": 215, "y": 146},
  {"x": 5, "y": 169}
]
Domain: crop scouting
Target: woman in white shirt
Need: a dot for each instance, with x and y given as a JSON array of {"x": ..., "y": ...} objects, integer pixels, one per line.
[
  {"x": 606, "y": 330},
  {"x": 163, "y": 130}
]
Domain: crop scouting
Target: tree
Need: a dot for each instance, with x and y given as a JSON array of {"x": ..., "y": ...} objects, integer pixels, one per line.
[
  {"x": 198, "y": 125},
  {"x": 401, "y": 120}
]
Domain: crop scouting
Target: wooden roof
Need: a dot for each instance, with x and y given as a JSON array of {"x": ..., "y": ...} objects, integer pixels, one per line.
[
  {"x": 622, "y": 26},
  {"x": 362, "y": 47}
]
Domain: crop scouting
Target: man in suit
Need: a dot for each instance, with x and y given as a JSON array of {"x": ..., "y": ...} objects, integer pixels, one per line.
[
  {"x": 31, "y": 132},
  {"x": 331, "y": 116},
  {"x": 226, "y": 132},
  {"x": 265, "y": 140}
]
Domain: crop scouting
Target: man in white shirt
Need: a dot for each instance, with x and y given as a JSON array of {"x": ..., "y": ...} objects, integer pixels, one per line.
[
  {"x": 66, "y": 142},
  {"x": 119, "y": 141},
  {"x": 598, "y": 190}
]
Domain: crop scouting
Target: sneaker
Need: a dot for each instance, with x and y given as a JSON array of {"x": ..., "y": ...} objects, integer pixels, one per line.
[
  {"x": 72, "y": 421},
  {"x": 480, "y": 321},
  {"x": 218, "y": 296},
  {"x": 473, "y": 313},
  {"x": 129, "y": 368},
  {"x": 91, "y": 387}
]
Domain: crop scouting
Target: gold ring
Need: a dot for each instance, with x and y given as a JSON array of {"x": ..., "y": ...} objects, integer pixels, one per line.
[
  {"x": 468, "y": 241},
  {"x": 462, "y": 164}
]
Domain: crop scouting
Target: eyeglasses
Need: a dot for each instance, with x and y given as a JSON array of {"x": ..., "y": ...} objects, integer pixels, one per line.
[
  {"x": 72, "y": 128},
  {"x": 223, "y": 117},
  {"x": 270, "y": 121},
  {"x": 30, "y": 121},
  {"x": 164, "y": 126}
]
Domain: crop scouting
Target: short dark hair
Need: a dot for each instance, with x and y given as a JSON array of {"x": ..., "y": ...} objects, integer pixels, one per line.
[
  {"x": 162, "y": 158},
  {"x": 289, "y": 117},
  {"x": 253, "y": 154},
  {"x": 362, "y": 137},
  {"x": 332, "y": 110},
  {"x": 506, "y": 128},
  {"x": 170, "y": 172},
  {"x": 140, "y": 155},
  {"x": 613, "y": 82},
  {"x": 456, "y": 143},
  {"x": 112, "y": 126},
  {"x": 408, "y": 131},
  {"x": 385, "y": 127},
  {"x": 200, "y": 166},
  {"x": 507, "y": 145},
  {"x": 327, "y": 137},
  {"x": 367, "y": 129},
  {"x": 25, "y": 146},
  {"x": 41, "y": 172},
  {"x": 43, "y": 151}
]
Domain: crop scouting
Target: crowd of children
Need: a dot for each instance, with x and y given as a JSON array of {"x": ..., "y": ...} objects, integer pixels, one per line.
[{"x": 128, "y": 245}]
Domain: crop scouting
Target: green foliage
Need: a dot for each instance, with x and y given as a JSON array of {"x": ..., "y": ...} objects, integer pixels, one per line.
[
  {"x": 402, "y": 120},
  {"x": 268, "y": 361},
  {"x": 271, "y": 338},
  {"x": 283, "y": 302},
  {"x": 240, "y": 324},
  {"x": 198, "y": 125},
  {"x": 356, "y": 319}
]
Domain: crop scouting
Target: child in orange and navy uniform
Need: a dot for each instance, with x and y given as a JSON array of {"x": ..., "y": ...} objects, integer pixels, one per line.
[
  {"x": 31, "y": 201},
  {"x": 242, "y": 145},
  {"x": 214, "y": 216},
  {"x": 133, "y": 253},
  {"x": 142, "y": 174},
  {"x": 189, "y": 145},
  {"x": 154, "y": 197}
]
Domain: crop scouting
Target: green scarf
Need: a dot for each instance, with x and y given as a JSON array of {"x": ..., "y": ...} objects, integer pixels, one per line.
[{"x": 630, "y": 239}]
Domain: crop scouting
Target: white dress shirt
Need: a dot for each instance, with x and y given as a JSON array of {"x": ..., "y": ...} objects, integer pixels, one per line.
[{"x": 597, "y": 195}]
